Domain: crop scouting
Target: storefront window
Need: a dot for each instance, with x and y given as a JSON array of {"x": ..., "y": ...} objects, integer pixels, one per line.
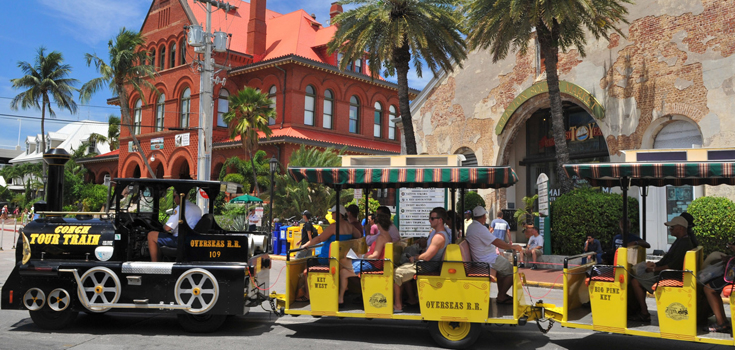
[{"x": 678, "y": 199}]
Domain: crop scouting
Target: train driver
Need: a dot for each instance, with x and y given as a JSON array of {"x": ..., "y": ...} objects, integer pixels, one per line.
[{"x": 171, "y": 229}]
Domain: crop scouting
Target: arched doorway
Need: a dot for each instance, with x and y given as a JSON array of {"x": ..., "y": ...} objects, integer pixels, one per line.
[
  {"x": 469, "y": 155},
  {"x": 184, "y": 172},
  {"x": 159, "y": 171},
  {"x": 136, "y": 172}
]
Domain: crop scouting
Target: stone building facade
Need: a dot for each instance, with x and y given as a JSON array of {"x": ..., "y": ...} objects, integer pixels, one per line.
[{"x": 669, "y": 82}]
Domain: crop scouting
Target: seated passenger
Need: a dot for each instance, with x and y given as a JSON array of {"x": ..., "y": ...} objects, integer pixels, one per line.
[
  {"x": 350, "y": 268},
  {"x": 435, "y": 247},
  {"x": 483, "y": 249},
  {"x": 672, "y": 260},
  {"x": 393, "y": 229},
  {"x": 712, "y": 290},
  {"x": 633, "y": 240},
  {"x": 371, "y": 230},
  {"x": 345, "y": 228},
  {"x": 171, "y": 228},
  {"x": 352, "y": 214}
]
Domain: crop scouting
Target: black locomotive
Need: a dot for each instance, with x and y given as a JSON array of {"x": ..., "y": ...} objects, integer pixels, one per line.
[{"x": 100, "y": 263}]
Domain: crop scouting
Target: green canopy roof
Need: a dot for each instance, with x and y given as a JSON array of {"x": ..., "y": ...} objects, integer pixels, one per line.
[
  {"x": 397, "y": 177},
  {"x": 655, "y": 174},
  {"x": 246, "y": 198}
]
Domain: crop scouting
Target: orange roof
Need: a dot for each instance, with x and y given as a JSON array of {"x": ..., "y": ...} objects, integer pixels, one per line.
[
  {"x": 109, "y": 154},
  {"x": 337, "y": 139}
]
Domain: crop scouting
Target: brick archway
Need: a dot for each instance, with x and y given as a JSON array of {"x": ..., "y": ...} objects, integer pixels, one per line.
[
  {"x": 129, "y": 169},
  {"x": 181, "y": 166}
]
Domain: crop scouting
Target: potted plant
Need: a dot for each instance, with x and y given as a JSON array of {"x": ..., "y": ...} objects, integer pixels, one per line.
[{"x": 525, "y": 215}]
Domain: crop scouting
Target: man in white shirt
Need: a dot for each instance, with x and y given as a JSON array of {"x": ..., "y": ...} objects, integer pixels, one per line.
[
  {"x": 171, "y": 228},
  {"x": 534, "y": 247},
  {"x": 483, "y": 249}
]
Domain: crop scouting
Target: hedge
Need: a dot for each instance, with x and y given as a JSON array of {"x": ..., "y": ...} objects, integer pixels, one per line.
[
  {"x": 585, "y": 211},
  {"x": 714, "y": 220},
  {"x": 471, "y": 200}
]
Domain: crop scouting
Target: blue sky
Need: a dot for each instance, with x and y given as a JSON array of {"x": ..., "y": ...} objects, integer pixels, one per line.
[{"x": 76, "y": 27}]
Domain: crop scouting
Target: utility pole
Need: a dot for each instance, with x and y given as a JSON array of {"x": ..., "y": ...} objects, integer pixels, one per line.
[{"x": 203, "y": 40}]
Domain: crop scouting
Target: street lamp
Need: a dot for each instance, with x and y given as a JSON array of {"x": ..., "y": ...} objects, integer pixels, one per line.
[{"x": 273, "y": 163}]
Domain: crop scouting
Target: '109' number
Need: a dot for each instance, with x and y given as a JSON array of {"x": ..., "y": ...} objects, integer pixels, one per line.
[{"x": 214, "y": 254}]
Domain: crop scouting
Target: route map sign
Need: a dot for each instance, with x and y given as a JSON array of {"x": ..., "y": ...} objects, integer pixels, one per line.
[{"x": 414, "y": 207}]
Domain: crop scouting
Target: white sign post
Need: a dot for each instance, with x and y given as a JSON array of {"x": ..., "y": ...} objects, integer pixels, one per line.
[{"x": 542, "y": 183}]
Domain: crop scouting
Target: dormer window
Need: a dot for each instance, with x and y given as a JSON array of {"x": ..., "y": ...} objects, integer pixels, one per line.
[
  {"x": 92, "y": 148},
  {"x": 48, "y": 144},
  {"x": 28, "y": 147}
]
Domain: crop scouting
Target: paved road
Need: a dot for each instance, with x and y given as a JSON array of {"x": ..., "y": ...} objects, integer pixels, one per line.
[{"x": 261, "y": 330}]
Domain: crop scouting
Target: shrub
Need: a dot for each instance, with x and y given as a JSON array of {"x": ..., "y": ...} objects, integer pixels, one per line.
[
  {"x": 714, "y": 220},
  {"x": 585, "y": 211},
  {"x": 471, "y": 200}
]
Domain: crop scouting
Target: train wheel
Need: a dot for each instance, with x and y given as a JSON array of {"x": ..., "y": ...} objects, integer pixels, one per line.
[
  {"x": 47, "y": 318},
  {"x": 198, "y": 290},
  {"x": 34, "y": 299},
  {"x": 455, "y": 335},
  {"x": 201, "y": 323},
  {"x": 99, "y": 285}
]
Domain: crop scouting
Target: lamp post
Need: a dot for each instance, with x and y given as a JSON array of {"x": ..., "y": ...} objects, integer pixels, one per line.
[{"x": 273, "y": 163}]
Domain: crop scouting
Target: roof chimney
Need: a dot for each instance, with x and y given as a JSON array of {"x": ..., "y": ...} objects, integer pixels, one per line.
[
  {"x": 256, "y": 28},
  {"x": 335, "y": 10}
]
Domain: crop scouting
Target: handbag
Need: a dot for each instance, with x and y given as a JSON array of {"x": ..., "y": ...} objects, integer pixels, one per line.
[
  {"x": 711, "y": 272},
  {"x": 730, "y": 271}
]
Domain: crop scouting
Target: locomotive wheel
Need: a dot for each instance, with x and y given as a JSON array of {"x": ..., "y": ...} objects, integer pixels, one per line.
[
  {"x": 99, "y": 285},
  {"x": 198, "y": 289},
  {"x": 34, "y": 299},
  {"x": 58, "y": 299},
  {"x": 47, "y": 318},
  {"x": 455, "y": 335},
  {"x": 201, "y": 323}
]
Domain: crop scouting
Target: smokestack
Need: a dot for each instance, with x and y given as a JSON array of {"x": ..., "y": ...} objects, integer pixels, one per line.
[
  {"x": 334, "y": 11},
  {"x": 55, "y": 158},
  {"x": 256, "y": 28}
]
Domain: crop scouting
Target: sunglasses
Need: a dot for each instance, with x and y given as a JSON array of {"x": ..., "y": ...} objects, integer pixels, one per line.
[{"x": 434, "y": 217}]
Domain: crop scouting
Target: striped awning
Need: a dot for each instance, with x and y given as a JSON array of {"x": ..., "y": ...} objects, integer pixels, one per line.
[
  {"x": 451, "y": 177},
  {"x": 655, "y": 174}
]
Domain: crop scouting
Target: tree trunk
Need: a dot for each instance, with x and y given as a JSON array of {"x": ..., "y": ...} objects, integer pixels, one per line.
[
  {"x": 548, "y": 40},
  {"x": 255, "y": 174},
  {"x": 44, "y": 166},
  {"x": 128, "y": 121},
  {"x": 401, "y": 59}
]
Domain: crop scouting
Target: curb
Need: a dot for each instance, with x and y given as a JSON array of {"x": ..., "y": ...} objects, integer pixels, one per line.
[
  {"x": 546, "y": 285},
  {"x": 277, "y": 257}
]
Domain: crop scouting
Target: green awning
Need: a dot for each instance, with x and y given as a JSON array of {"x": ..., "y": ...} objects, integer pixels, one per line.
[
  {"x": 655, "y": 174},
  {"x": 246, "y": 198},
  {"x": 451, "y": 177}
]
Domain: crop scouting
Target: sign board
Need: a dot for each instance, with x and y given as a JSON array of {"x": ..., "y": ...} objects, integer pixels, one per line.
[
  {"x": 132, "y": 147},
  {"x": 358, "y": 193},
  {"x": 157, "y": 143},
  {"x": 259, "y": 214},
  {"x": 543, "y": 194},
  {"x": 414, "y": 207},
  {"x": 231, "y": 188},
  {"x": 182, "y": 140}
]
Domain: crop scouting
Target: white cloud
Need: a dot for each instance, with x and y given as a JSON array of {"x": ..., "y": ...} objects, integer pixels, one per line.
[{"x": 93, "y": 21}]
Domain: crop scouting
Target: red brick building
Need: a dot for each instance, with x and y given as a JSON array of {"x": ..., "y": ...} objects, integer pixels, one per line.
[{"x": 284, "y": 55}]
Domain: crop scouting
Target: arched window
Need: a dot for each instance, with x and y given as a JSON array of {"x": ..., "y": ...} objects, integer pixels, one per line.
[
  {"x": 152, "y": 58},
  {"x": 183, "y": 51},
  {"x": 678, "y": 134},
  {"x": 328, "y": 109},
  {"x": 137, "y": 116},
  {"x": 172, "y": 53},
  {"x": 185, "y": 108},
  {"x": 358, "y": 65},
  {"x": 223, "y": 106},
  {"x": 309, "y": 103},
  {"x": 377, "y": 124},
  {"x": 272, "y": 96},
  {"x": 354, "y": 115},
  {"x": 160, "y": 112},
  {"x": 391, "y": 123},
  {"x": 162, "y": 58}
]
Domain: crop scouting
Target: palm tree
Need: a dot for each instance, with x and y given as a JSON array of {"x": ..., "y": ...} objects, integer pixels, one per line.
[
  {"x": 502, "y": 25},
  {"x": 394, "y": 32},
  {"x": 248, "y": 115},
  {"x": 113, "y": 132},
  {"x": 127, "y": 68},
  {"x": 47, "y": 78}
]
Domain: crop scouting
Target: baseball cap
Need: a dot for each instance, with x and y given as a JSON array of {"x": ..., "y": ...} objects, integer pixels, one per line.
[
  {"x": 307, "y": 214},
  {"x": 478, "y": 211},
  {"x": 342, "y": 210},
  {"x": 468, "y": 211},
  {"x": 677, "y": 221}
]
